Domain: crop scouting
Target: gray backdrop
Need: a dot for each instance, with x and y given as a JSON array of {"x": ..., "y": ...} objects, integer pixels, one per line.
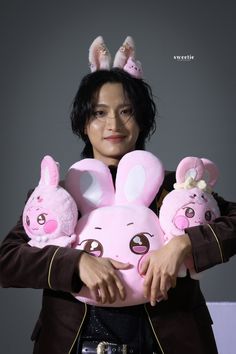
[{"x": 44, "y": 46}]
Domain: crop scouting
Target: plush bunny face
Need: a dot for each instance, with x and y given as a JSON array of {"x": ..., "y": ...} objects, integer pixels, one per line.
[
  {"x": 191, "y": 203},
  {"x": 186, "y": 208},
  {"x": 40, "y": 221},
  {"x": 118, "y": 224},
  {"x": 50, "y": 213},
  {"x": 133, "y": 67}
]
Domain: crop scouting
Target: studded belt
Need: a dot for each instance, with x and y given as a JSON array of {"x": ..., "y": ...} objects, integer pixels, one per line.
[{"x": 95, "y": 347}]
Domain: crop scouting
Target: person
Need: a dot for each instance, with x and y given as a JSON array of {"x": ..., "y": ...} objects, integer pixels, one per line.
[{"x": 114, "y": 113}]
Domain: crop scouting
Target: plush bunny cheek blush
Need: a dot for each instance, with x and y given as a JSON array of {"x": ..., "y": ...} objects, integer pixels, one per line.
[
  {"x": 126, "y": 234},
  {"x": 193, "y": 214}
]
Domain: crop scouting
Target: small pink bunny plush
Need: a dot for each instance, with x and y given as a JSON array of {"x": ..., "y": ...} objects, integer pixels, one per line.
[
  {"x": 134, "y": 68},
  {"x": 50, "y": 215},
  {"x": 118, "y": 223},
  {"x": 191, "y": 202}
]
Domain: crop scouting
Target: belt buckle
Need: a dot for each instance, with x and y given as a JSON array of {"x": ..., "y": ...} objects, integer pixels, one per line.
[{"x": 102, "y": 348}]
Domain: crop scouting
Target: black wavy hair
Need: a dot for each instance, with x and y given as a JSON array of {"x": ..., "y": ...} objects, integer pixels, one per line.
[{"x": 138, "y": 92}]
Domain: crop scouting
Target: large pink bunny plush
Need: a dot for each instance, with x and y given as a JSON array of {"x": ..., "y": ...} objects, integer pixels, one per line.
[
  {"x": 50, "y": 215},
  {"x": 117, "y": 223},
  {"x": 191, "y": 202}
]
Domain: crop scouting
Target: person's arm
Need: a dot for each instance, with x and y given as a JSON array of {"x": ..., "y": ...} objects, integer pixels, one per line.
[
  {"x": 51, "y": 267},
  {"x": 58, "y": 268},
  {"x": 214, "y": 243},
  {"x": 208, "y": 244}
]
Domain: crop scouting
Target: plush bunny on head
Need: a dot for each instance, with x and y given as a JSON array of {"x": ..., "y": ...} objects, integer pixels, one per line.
[
  {"x": 100, "y": 58},
  {"x": 191, "y": 202},
  {"x": 50, "y": 215},
  {"x": 118, "y": 223}
]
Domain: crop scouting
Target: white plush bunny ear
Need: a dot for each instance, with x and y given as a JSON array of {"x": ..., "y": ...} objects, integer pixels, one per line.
[
  {"x": 49, "y": 172},
  {"x": 126, "y": 51},
  {"x": 99, "y": 56},
  {"x": 125, "y": 59},
  {"x": 139, "y": 177},
  {"x": 89, "y": 181},
  {"x": 189, "y": 167},
  {"x": 211, "y": 172}
]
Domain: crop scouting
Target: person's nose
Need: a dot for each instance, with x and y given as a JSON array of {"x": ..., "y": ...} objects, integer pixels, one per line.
[{"x": 113, "y": 122}]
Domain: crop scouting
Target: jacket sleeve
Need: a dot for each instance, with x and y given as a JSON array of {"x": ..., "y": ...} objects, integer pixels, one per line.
[
  {"x": 23, "y": 266},
  {"x": 215, "y": 243}
]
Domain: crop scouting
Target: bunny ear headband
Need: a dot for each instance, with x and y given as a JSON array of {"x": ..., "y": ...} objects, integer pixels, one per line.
[{"x": 100, "y": 58}]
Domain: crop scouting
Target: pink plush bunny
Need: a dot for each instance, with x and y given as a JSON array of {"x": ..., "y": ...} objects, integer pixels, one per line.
[
  {"x": 191, "y": 202},
  {"x": 118, "y": 223},
  {"x": 100, "y": 57},
  {"x": 134, "y": 67},
  {"x": 50, "y": 215}
]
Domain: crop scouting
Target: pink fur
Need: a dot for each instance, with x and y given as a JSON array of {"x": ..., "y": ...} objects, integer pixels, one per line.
[
  {"x": 188, "y": 205},
  {"x": 99, "y": 56},
  {"x": 50, "y": 215},
  {"x": 117, "y": 223},
  {"x": 134, "y": 68}
]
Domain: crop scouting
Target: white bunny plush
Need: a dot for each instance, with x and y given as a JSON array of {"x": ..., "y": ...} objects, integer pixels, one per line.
[
  {"x": 191, "y": 202},
  {"x": 50, "y": 215},
  {"x": 117, "y": 223}
]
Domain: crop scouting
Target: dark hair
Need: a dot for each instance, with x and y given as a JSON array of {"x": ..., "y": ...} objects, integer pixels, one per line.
[{"x": 137, "y": 90}]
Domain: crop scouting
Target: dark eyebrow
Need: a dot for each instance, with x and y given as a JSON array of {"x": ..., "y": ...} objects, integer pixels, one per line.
[
  {"x": 130, "y": 223},
  {"x": 98, "y": 228},
  {"x": 125, "y": 104},
  {"x": 100, "y": 105}
]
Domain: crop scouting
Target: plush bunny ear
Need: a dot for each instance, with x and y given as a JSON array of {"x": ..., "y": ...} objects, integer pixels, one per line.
[
  {"x": 126, "y": 51},
  {"x": 211, "y": 172},
  {"x": 89, "y": 181},
  {"x": 49, "y": 172},
  {"x": 99, "y": 56},
  {"x": 139, "y": 177},
  {"x": 189, "y": 167}
]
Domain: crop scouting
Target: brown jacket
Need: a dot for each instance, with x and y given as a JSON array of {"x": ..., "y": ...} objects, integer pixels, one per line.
[{"x": 180, "y": 325}]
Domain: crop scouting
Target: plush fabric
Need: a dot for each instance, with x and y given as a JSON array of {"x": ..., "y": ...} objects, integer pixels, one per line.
[
  {"x": 117, "y": 223},
  {"x": 191, "y": 203},
  {"x": 134, "y": 68},
  {"x": 100, "y": 57},
  {"x": 50, "y": 214}
]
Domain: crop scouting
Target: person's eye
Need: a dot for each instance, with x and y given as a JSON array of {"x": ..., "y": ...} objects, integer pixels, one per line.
[
  {"x": 126, "y": 112},
  {"x": 99, "y": 113}
]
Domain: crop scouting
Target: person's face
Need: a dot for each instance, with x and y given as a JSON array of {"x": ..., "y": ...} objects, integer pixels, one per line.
[{"x": 112, "y": 129}]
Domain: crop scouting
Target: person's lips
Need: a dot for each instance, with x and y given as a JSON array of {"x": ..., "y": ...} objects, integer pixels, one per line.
[{"x": 115, "y": 138}]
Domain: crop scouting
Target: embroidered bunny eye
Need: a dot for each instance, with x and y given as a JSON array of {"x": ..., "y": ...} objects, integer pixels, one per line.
[
  {"x": 189, "y": 212},
  {"x": 41, "y": 219},
  {"x": 139, "y": 244},
  {"x": 94, "y": 247},
  {"x": 208, "y": 215},
  {"x": 27, "y": 220}
]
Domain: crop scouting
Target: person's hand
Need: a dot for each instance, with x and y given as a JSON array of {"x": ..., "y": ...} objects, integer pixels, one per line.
[
  {"x": 100, "y": 276},
  {"x": 161, "y": 268}
]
